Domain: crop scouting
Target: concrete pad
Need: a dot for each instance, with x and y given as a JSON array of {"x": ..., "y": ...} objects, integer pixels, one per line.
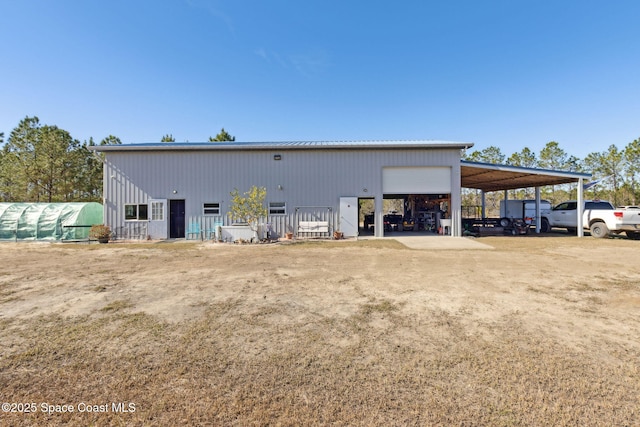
[{"x": 440, "y": 242}]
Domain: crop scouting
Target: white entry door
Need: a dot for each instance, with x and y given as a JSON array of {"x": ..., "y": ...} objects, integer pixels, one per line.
[
  {"x": 158, "y": 225},
  {"x": 349, "y": 216}
]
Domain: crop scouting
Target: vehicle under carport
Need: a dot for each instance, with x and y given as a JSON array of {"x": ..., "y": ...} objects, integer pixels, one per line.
[{"x": 489, "y": 177}]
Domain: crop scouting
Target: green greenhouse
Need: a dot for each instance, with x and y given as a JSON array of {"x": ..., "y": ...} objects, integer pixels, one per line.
[{"x": 48, "y": 221}]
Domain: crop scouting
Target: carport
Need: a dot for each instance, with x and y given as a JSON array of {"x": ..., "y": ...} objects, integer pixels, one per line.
[{"x": 490, "y": 177}]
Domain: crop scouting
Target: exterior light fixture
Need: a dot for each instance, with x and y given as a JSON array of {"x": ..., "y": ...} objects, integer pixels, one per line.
[{"x": 277, "y": 157}]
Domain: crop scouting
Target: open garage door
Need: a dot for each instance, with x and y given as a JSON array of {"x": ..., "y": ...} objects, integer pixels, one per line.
[{"x": 416, "y": 180}]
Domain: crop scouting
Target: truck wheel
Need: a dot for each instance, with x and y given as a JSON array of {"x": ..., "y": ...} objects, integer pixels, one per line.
[
  {"x": 633, "y": 235},
  {"x": 504, "y": 222},
  {"x": 544, "y": 226},
  {"x": 599, "y": 229}
]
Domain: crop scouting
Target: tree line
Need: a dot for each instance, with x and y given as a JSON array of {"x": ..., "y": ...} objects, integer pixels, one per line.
[
  {"x": 43, "y": 163},
  {"x": 616, "y": 172}
]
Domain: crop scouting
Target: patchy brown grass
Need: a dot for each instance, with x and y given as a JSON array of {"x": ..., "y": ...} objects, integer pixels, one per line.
[{"x": 355, "y": 333}]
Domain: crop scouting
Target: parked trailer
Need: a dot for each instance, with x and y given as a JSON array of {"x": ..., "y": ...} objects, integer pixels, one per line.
[
  {"x": 516, "y": 217},
  {"x": 511, "y": 210},
  {"x": 493, "y": 226}
]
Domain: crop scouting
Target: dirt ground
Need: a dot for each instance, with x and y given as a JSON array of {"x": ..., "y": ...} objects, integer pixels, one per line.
[{"x": 534, "y": 331}]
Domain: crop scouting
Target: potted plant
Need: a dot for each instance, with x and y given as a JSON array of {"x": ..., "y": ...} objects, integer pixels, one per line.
[{"x": 100, "y": 232}]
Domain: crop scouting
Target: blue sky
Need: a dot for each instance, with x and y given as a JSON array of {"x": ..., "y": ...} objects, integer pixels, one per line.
[{"x": 509, "y": 73}]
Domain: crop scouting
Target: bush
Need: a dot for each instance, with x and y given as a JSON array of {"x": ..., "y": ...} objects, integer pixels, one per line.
[{"x": 100, "y": 232}]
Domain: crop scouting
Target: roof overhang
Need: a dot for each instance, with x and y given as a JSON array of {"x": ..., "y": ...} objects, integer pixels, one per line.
[
  {"x": 490, "y": 177},
  {"x": 287, "y": 145}
]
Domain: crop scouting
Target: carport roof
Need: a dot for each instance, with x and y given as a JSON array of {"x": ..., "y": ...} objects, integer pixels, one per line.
[{"x": 490, "y": 177}]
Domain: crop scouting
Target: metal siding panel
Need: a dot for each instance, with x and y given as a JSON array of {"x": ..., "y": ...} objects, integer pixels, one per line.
[{"x": 308, "y": 178}]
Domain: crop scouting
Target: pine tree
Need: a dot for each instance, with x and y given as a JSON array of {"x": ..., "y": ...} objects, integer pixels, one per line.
[{"x": 223, "y": 136}]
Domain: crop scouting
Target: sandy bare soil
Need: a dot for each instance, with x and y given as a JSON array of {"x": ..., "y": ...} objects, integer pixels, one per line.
[{"x": 536, "y": 331}]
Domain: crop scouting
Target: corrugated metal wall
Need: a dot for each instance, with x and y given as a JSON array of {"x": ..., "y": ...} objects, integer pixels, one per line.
[{"x": 300, "y": 178}]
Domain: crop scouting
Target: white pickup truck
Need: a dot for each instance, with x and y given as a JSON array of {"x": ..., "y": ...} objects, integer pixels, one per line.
[{"x": 600, "y": 218}]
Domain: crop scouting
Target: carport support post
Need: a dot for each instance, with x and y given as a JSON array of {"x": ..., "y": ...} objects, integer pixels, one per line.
[
  {"x": 538, "y": 219},
  {"x": 580, "y": 210}
]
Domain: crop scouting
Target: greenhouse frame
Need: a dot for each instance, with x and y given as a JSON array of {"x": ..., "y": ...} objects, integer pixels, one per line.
[{"x": 48, "y": 221}]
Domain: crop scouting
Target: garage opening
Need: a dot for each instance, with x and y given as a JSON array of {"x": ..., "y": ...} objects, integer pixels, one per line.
[
  {"x": 417, "y": 213},
  {"x": 417, "y": 199},
  {"x": 366, "y": 217}
]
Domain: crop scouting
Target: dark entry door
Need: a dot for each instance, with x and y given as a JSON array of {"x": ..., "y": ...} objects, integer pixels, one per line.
[{"x": 176, "y": 219}]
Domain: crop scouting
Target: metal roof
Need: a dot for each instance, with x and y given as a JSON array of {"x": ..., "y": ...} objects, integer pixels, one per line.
[
  {"x": 490, "y": 177},
  {"x": 284, "y": 145}
]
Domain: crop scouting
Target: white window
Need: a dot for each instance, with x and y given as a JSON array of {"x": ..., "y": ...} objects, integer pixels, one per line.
[
  {"x": 135, "y": 212},
  {"x": 157, "y": 211},
  {"x": 211, "y": 208},
  {"x": 277, "y": 208}
]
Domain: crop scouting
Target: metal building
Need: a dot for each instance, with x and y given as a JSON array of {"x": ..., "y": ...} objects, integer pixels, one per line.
[{"x": 313, "y": 188}]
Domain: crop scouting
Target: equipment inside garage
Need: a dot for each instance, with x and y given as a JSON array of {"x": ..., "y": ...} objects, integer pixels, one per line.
[
  {"x": 427, "y": 211},
  {"x": 412, "y": 212}
]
